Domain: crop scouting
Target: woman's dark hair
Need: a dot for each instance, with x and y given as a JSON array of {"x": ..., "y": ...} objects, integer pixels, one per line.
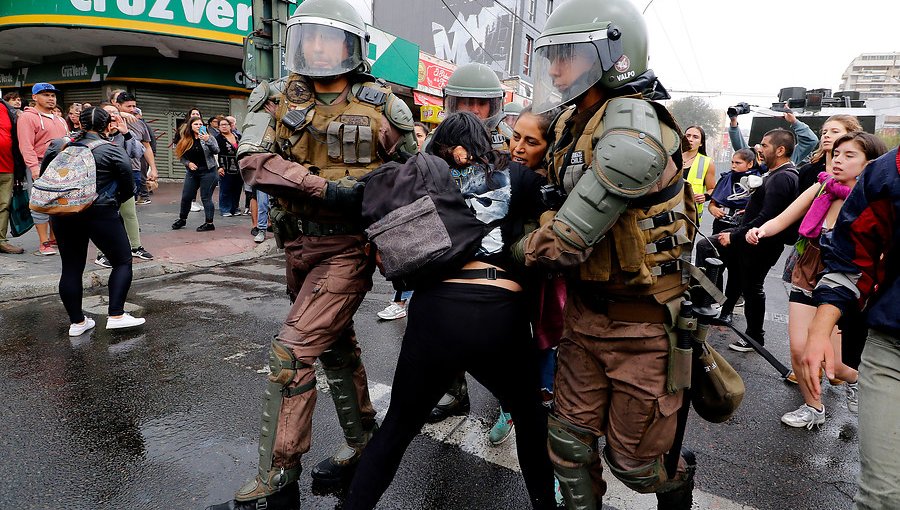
[
  {"x": 423, "y": 126},
  {"x": 93, "y": 119},
  {"x": 871, "y": 145},
  {"x": 187, "y": 116},
  {"x": 544, "y": 120},
  {"x": 685, "y": 146},
  {"x": 747, "y": 155},
  {"x": 460, "y": 129}
]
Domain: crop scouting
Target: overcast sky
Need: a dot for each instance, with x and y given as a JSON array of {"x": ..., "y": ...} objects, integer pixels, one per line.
[{"x": 752, "y": 49}]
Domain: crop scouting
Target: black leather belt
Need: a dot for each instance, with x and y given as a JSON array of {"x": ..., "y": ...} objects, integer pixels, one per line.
[{"x": 311, "y": 228}]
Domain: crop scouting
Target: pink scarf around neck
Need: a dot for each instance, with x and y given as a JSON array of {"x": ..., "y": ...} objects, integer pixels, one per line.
[{"x": 811, "y": 226}]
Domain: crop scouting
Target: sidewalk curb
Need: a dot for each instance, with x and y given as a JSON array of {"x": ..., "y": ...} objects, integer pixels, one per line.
[{"x": 48, "y": 285}]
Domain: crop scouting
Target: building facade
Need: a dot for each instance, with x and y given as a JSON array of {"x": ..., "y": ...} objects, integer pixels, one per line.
[
  {"x": 873, "y": 75},
  {"x": 172, "y": 55}
]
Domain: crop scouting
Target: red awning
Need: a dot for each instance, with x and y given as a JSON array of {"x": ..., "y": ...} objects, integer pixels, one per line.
[{"x": 422, "y": 98}]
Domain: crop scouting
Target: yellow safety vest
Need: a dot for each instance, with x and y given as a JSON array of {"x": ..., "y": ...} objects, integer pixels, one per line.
[{"x": 697, "y": 177}]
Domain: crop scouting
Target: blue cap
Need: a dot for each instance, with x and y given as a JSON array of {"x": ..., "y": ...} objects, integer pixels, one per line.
[{"x": 43, "y": 87}]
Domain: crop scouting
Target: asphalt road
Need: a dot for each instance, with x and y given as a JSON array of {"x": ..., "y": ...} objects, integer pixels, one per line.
[{"x": 166, "y": 417}]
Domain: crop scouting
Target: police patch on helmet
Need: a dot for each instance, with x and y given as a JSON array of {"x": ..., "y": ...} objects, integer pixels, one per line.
[{"x": 623, "y": 64}]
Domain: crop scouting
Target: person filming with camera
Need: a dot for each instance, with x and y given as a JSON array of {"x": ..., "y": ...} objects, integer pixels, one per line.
[{"x": 806, "y": 138}]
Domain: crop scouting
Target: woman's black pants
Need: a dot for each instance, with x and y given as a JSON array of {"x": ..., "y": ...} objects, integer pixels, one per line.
[
  {"x": 454, "y": 328},
  {"x": 102, "y": 225}
]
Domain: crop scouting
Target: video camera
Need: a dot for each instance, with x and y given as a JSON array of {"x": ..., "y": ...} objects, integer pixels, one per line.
[{"x": 738, "y": 109}]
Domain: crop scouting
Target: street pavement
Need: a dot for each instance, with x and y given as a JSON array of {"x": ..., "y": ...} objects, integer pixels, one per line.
[
  {"x": 167, "y": 416},
  {"x": 175, "y": 251}
]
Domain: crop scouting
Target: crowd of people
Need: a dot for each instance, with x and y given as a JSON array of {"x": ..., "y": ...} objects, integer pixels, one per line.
[{"x": 573, "y": 289}]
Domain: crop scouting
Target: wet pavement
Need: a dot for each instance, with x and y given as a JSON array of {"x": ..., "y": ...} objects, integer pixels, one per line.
[{"x": 166, "y": 416}]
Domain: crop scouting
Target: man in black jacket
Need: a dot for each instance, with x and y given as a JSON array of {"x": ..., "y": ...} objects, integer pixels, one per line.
[
  {"x": 778, "y": 190},
  {"x": 12, "y": 169}
]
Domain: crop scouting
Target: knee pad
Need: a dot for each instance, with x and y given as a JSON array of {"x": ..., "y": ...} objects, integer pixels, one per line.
[
  {"x": 571, "y": 443},
  {"x": 645, "y": 479},
  {"x": 284, "y": 366}
]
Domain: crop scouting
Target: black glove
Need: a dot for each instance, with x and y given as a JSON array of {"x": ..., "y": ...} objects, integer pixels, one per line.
[{"x": 344, "y": 194}]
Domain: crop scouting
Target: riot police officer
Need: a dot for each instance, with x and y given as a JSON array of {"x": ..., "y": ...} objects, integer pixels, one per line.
[
  {"x": 624, "y": 232},
  {"x": 306, "y": 139},
  {"x": 475, "y": 88}
]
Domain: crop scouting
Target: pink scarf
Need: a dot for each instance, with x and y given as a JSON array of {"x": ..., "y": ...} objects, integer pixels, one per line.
[{"x": 811, "y": 226}]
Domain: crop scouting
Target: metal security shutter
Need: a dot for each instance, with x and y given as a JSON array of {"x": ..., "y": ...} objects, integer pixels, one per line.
[
  {"x": 91, "y": 94},
  {"x": 164, "y": 110}
]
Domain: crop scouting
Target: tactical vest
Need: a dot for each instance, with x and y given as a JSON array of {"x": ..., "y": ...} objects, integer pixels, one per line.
[
  {"x": 697, "y": 176},
  {"x": 333, "y": 141},
  {"x": 645, "y": 252}
]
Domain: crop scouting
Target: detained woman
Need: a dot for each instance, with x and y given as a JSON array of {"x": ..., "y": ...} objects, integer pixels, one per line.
[
  {"x": 100, "y": 223},
  {"x": 468, "y": 322},
  {"x": 819, "y": 207},
  {"x": 197, "y": 151}
]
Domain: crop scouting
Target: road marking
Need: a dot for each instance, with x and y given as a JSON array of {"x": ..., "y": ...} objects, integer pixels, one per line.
[{"x": 470, "y": 435}]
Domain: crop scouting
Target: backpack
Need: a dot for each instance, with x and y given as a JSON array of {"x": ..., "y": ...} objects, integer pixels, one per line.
[
  {"x": 69, "y": 183},
  {"x": 419, "y": 221}
]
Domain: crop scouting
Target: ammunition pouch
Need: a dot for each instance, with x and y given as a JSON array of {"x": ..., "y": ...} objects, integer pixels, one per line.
[
  {"x": 678, "y": 376},
  {"x": 285, "y": 225}
]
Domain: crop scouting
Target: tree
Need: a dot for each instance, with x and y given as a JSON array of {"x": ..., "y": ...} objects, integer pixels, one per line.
[{"x": 695, "y": 111}]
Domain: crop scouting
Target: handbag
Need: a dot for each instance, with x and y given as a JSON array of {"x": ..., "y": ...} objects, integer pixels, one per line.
[
  {"x": 20, "y": 220},
  {"x": 717, "y": 390}
]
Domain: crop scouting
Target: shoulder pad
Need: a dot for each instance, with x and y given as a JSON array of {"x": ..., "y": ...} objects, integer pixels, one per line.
[
  {"x": 398, "y": 113},
  {"x": 671, "y": 134}
]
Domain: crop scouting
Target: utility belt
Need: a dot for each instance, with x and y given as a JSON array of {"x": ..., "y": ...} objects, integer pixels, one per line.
[
  {"x": 622, "y": 309},
  {"x": 288, "y": 226}
]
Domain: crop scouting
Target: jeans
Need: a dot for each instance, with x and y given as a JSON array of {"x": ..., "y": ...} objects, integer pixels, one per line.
[
  {"x": 138, "y": 182},
  {"x": 230, "y": 193},
  {"x": 879, "y": 385},
  {"x": 205, "y": 181},
  {"x": 39, "y": 218},
  {"x": 102, "y": 225},
  {"x": 262, "y": 208}
]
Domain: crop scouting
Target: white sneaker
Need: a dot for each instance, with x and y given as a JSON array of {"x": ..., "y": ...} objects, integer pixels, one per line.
[
  {"x": 393, "y": 311},
  {"x": 853, "y": 397},
  {"x": 195, "y": 207},
  {"x": 260, "y": 236},
  {"x": 125, "y": 321},
  {"x": 80, "y": 329},
  {"x": 805, "y": 416}
]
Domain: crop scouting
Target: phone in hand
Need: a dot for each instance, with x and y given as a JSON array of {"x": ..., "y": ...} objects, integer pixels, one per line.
[{"x": 202, "y": 130}]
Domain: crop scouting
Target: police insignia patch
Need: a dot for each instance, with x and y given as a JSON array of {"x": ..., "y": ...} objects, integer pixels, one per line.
[
  {"x": 354, "y": 120},
  {"x": 577, "y": 158},
  {"x": 297, "y": 92}
]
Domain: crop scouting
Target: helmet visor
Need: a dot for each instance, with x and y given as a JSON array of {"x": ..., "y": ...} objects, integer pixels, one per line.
[
  {"x": 483, "y": 107},
  {"x": 565, "y": 70},
  {"x": 320, "y": 51}
]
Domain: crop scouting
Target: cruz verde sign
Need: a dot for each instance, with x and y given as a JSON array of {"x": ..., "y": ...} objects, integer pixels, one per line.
[{"x": 218, "y": 20}]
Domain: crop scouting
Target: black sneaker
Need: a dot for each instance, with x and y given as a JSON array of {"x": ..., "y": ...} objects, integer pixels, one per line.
[
  {"x": 206, "y": 227},
  {"x": 740, "y": 345},
  {"x": 102, "y": 261},
  {"x": 141, "y": 253},
  {"x": 179, "y": 223}
]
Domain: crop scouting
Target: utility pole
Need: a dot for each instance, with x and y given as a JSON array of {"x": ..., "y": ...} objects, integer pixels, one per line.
[{"x": 264, "y": 47}]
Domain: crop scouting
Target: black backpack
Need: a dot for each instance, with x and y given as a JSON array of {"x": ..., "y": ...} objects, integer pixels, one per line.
[{"x": 419, "y": 221}]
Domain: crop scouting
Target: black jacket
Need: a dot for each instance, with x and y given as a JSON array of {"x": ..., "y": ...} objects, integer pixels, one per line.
[
  {"x": 18, "y": 162},
  {"x": 778, "y": 190},
  {"x": 115, "y": 182}
]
